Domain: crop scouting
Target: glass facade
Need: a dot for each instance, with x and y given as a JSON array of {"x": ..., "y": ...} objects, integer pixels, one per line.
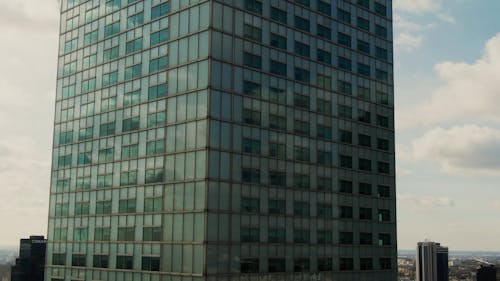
[{"x": 223, "y": 140}]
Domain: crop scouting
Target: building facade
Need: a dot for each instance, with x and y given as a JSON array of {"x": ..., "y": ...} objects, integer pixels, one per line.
[
  {"x": 432, "y": 262},
  {"x": 224, "y": 140},
  {"x": 31, "y": 261},
  {"x": 486, "y": 273}
]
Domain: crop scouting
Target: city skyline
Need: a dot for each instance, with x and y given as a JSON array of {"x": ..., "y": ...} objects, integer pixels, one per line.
[{"x": 22, "y": 149}]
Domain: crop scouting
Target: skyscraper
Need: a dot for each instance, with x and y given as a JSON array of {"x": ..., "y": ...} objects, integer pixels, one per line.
[
  {"x": 432, "y": 262},
  {"x": 217, "y": 140},
  {"x": 31, "y": 261}
]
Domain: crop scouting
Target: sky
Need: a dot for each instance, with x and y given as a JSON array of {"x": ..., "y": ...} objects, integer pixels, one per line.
[{"x": 447, "y": 90}]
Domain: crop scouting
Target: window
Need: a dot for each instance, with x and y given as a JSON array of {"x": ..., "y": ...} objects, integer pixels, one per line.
[
  {"x": 384, "y": 191},
  {"x": 363, "y": 23},
  {"x": 344, "y": 87},
  {"x": 365, "y": 238},
  {"x": 103, "y": 207},
  {"x": 365, "y": 213},
  {"x": 345, "y": 186},
  {"x": 365, "y": 164},
  {"x": 133, "y": 71},
  {"x": 277, "y": 122},
  {"x": 325, "y": 158},
  {"x": 324, "y": 131},
  {"x": 344, "y": 39},
  {"x": 252, "y": 89},
  {"x": 251, "y": 146},
  {"x": 129, "y": 151},
  {"x": 380, "y": 9},
  {"x": 111, "y": 53},
  {"x": 324, "y": 210},
  {"x": 302, "y": 49},
  {"x": 156, "y": 119},
  {"x": 346, "y": 238},
  {"x": 90, "y": 61},
  {"x": 385, "y": 263},
  {"x": 383, "y": 121},
  {"x": 277, "y": 150},
  {"x": 130, "y": 124},
  {"x": 90, "y": 37},
  {"x": 81, "y": 208},
  {"x": 383, "y": 168},
  {"x": 302, "y": 23},
  {"x": 363, "y": 46},
  {"x": 64, "y": 161},
  {"x": 346, "y": 264},
  {"x": 159, "y": 10},
  {"x": 252, "y": 32},
  {"x": 278, "y": 68},
  {"x": 112, "y": 5},
  {"x": 105, "y": 180},
  {"x": 276, "y": 265},
  {"x": 124, "y": 262},
  {"x": 79, "y": 260},
  {"x": 324, "y": 56},
  {"x": 91, "y": 15},
  {"x": 365, "y": 264},
  {"x": 126, "y": 234},
  {"x": 158, "y": 64},
  {"x": 276, "y": 235},
  {"x": 324, "y": 183},
  {"x": 301, "y": 101},
  {"x": 384, "y": 239},
  {"x": 153, "y": 204},
  {"x": 155, "y": 147},
  {"x": 301, "y": 265},
  {"x": 364, "y": 3},
  {"x": 324, "y": 7},
  {"x": 249, "y": 265},
  {"x": 154, "y": 175},
  {"x": 277, "y": 95},
  {"x": 301, "y": 236},
  {"x": 380, "y": 31},
  {"x": 381, "y": 53},
  {"x": 324, "y": 237},
  {"x": 66, "y": 137},
  {"x": 277, "y": 207},
  {"x": 68, "y": 91},
  {"x": 71, "y": 45},
  {"x": 159, "y": 37},
  {"x": 302, "y": 75},
  {"x": 278, "y": 15},
  {"x": 252, "y": 60},
  {"x": 324, "y": 81},
  {"x": 345, "y": 136},
  {"x": 80, "y": 234},
  {"x": 301, "y": 208},
  {"x": 249, "y": 234},
  {"x": 102, "y": 234},
  {"x": 277, "y": 178},
  {"x": 62, "y": 209},
  {"x": 345, "y": 111},
  {"x": 345, "y": 161},
  {"x": 126, "y": 206},
  {"x": 112, "y": 29},
  {"x": 381, "y": 75},
  {"x": 250, "y": 205},
  {"x": 253, "y": 6},
  {"x": 365, "y": 188},
  {"x": 344, "y": 63},
  {"x": 151, "y": 233},
  {"x": 150, "y": 263},
  {"x": 133, "y": 46},
  {"x": 325, "y": 264},
  {"x": 324, "y": 32},
  {"x": 251, "y": 117},
  {"x": 135, "y": 20},
  {"x": 301, "y": 181},
  {"x": 108, "y": 104},
  {"x": 384, "y": 215},
  {"x": 101, "y": 261},
  {"x": 303, "y": 2},
  {"x": 278, "y": 41},
  {"x": 109, "y": 78},
  {"x": 84, "y": 158},
  {"x": 250, "y": 175},
  {"x": 346, "y": 212},
  {"x": 382, "y": 144},
  {"x": 344, "y": 16},
  {"x": 364, "y": 140},
  {"x": 83, "y": 183},
  {"x": 364, "y": 93},
  {"x": 158, "y": 91}
]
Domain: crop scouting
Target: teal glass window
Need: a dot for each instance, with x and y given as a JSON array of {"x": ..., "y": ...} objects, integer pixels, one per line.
[
  {"x": 380, "y": 31},
  {"x": 90, "y": 38},
  {"x": 102, "y": 234},
  {"x": 364, "y": 140},
  {"x": 154, "y": 204},
  {"x": 344, "y": 16},
  {"x": 81, "y": 208},
  {"x": 151, "y": 234},
  {"x": 364, "y": 3},
  {"x": 85, "y": 134},
  {"x": 156, "y": 119},
  {"x": 380, "y": 9},
  {"x": 130, "y": 151},
  {"x": 110, "y": 78},
  {"x": 345, "y": 161},
  {"x": 158, "y": 64},
  {"x": 135, "y": 20},
  {"x": 302, "y": 75},
  {"x": 251, "y": 146},
  {"x": 68, "y": 91},
  {"x": 106, "y": 155},
  {"x": 301, "y": 208},
  {"x": 132, "y": 98},
  {"x": 277, "y": 206},
  {"x": 158, "y": 91},
  {"x": 303, "y": 2},
  {"x": 124, "y": 262},
  {"x": 127, "y": 205},
  {"x": 301, "y": 181},
  {"x": 277, "y": 122},
  {"x": 103, "y": 207},
  {"x": 159, "y": 37},
  {"x": 133, "y": 46},
  {"x": 133, "y": 71},
  {"x": 126, "y": 233},
  {"x": 64, "y": 161},
  {"x": 345, "y": 186},
  {"x": 363, "y": 23},
  {"x": 154, "y": 175},
  {"x": 159, "y": 10},
  {"x": 250, "y": 175},
  {"x": 83, "y": 183},
  {"x": 365, "y": 238},
  {"x": 250, "y": 205},
  {"x": 302, "y": 23},
  {"x": 80, "y": 234},
  {"x": 111, "y": 53},
  {"x": 107, "y": 129},
  {"x": 344, "y": 39},
  {"x": 276, "y": 235},
  {"x": 101, "y": 261},
  {"x": 345, "y": 212},
  {"x": 249, "y": 234},
  {"x": 79, "y": 260},
  {"x": 252, "y": 32},
  {"x": 277, "y": 178},
  {"x": 384, "y": 191},
  {"x": 278, "y": 68},
  {"x": 324, "y": 7},
  {"x": 130, "y": 124},
  {"x": 325, "y": 264},
  {"x": 364, "y": 69},
  {"x": 66, "y": 137},
  {"x": 346, "y": 238},
  {"x": 155, "y": 147},
  {"x": 324, "y": 32},
  {"x": 344, "y": 87},
  {"x": 253, "y": 6},
  {"x": 252, "y": 89},
  {"x": 278, "y": 15},
  {"x": 363, "y": 46},
  {"x": 365, "y": 213},
  {"x": 251, "y": 117},
  {"x": 71, "y": 45},
  {"x": 252, "y": 60},
  {"x": 344, "y": 63},
  {"x": 278, "y": 41},
  {"x": 302, "y": 49},
  {"x": 112, "y": 29},
  {"x": 112, "y": 5},
  {"x": 128, "y": 178},
  {"x": 104, "y": 180}
]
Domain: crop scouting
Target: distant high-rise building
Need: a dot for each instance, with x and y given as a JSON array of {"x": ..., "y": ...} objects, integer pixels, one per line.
[
  {"x": 31, "y": 262},
  {"x": 223, "y": 140},
  {"x": 486, "y": 273},
  {"x": 432, "y": 262}
]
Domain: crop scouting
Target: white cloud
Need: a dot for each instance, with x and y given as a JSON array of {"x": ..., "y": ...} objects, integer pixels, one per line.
[
  {"x": 468, "y": 149},
  {"x": 468, "y": 90},
  {"x": 427, "y": 202},
  {"x": 417, "y": 6},
  {"x": 407, "y": 41}
]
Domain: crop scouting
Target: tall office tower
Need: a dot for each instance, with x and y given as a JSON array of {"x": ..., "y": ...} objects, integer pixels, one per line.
[
  {"x": 432, "y": 262},
  {"x": 486, "y": 273},
  {"x": 31, "y": 261},
  {"x": 223, "y": 140}
]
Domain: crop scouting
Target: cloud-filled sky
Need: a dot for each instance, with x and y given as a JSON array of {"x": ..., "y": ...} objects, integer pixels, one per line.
[{"x": 447, "y": 73}]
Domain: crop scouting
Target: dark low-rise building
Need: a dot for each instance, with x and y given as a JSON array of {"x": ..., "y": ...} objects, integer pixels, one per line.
[
  {"x": 31, "y": 262},
  {"x": 486, "y": 273}
]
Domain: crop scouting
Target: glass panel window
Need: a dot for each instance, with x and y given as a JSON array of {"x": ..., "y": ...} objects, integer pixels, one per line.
[{"x": 159, "y": 10}]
